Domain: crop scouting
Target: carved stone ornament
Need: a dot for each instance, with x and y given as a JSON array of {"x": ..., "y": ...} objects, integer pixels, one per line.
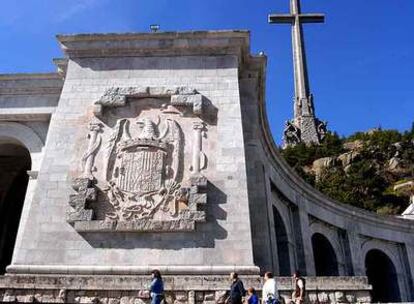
[
  {"x": 132, "y": 173},
  {"x": 291, "y": 134},
  {"x": 93, "y": 147},
  {"x": 321, "y": 128},
  {"x": 179, "y": 96}
]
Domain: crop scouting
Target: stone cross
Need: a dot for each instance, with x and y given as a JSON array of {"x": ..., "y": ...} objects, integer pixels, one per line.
[{"x": 309, "y": 128}]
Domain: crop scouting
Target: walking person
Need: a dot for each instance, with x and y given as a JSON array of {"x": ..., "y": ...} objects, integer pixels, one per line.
[
  {"x": 298, "y": 295},
  {"x": 237, "y": 291},
  {"x": 270, "y": 294},
  {"x": 156, "y": 287}
]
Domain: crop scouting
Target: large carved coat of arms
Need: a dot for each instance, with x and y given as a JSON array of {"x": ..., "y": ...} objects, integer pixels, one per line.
[
  {"x": 143, "y": 177},
  {"x": 140, "y": 185}
]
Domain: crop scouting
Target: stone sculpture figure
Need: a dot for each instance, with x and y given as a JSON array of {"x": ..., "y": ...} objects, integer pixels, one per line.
[
  {"x": 322, "y": 128},
  {"x": 291, "y": 133},
  {"x": 94, "y": 144}
]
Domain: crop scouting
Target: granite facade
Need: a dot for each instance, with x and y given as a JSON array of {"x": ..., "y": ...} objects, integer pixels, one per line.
[{"x": 244, "y": 209}]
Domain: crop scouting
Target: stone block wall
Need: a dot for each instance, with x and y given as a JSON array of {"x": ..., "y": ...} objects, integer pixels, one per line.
[
  {"x": 248, "y": 182},
  {"x": 47, "y": 239},
  {"x": 179, "y": 289}
]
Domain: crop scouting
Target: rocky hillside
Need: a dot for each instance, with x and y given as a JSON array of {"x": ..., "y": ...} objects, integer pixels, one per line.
[{"x": 369, "y": 170}]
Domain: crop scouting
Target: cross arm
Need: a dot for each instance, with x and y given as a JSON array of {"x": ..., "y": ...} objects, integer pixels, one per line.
[
  {"x": 281, "y": 18},
  {"x": 289, "y": 18},
  {"x": 312, "y": 18}
]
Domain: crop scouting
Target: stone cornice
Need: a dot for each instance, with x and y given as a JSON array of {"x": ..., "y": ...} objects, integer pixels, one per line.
[
  {"x": 133, "y": 270},
  {"x": 31, "y": 84},
  {"x": 156, "y": 44},
  {"x": 26, "y": 114},
  {"x": 30, "y": 76},
  {"x": 62, "y": 66},
  {"x": 31, "y": 91}
]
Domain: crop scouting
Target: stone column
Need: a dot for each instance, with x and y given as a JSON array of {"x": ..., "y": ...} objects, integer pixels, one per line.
[
  {"x": 410, "y": 268},
  {"x": 355, "y": 249},
  {"x": 271, "y": 241},
  {"x": 30, "y": 190},
  {"x": 307, "y": 242},
  {"x": 197, "y": 148}
]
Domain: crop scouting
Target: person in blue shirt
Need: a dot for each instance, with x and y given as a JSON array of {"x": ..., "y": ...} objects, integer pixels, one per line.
[
  {"x": 252, "y": 297},
  {"x": 156, "y": 288}
]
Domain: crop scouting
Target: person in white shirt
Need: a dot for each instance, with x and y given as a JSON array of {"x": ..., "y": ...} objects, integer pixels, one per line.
[{"x": 270, "y": 293}]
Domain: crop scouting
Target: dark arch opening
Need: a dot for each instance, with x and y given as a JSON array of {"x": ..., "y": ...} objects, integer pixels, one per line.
[
  {"x": 282, "y": 244},
  {"x": 14, "y": 163},
  {"x": 382, "y": 276},
  {"x": 326, "y": 263}
]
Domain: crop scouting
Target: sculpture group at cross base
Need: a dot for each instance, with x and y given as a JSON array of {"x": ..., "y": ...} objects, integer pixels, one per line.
[{"x": 292, "y": 134}]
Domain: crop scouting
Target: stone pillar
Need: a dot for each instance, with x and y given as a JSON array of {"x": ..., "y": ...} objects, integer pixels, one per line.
[
  {"x": 355, "y": 249},
  {"x": 31, "y": 187},
  {"x": 307, "y": 242},
  {"x": 348, "y": 268},
  {"x": 197, "y": 147},
  {"x": 410, "y": 269},
  {"x": 272, "y": 242}
]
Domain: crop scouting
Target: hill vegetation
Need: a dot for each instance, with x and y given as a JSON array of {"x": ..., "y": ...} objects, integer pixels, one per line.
[{"x": 362, "y": 170}]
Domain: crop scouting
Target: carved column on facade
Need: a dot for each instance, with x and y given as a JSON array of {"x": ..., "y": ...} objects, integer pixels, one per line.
[{"x": 199, "y": 158}]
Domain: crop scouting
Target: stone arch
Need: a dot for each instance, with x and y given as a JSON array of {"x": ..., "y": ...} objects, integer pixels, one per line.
[
  {"x": 13, "y": 132},
  {"x": 391, "y": 250},
  {"x": 331, "y": 234},
  {"x": 15, "y": 162},
  {"x": 383, "y": 277},
  {"x": 23, "y": 134},
  {"x": 325, "y": 257},
  {"x": 282, "y": 241},
  {"x": 27, "y": 144}
]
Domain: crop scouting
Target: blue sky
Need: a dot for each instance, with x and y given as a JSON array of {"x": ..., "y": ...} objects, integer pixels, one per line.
[{"x": 361, "y": 61}]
